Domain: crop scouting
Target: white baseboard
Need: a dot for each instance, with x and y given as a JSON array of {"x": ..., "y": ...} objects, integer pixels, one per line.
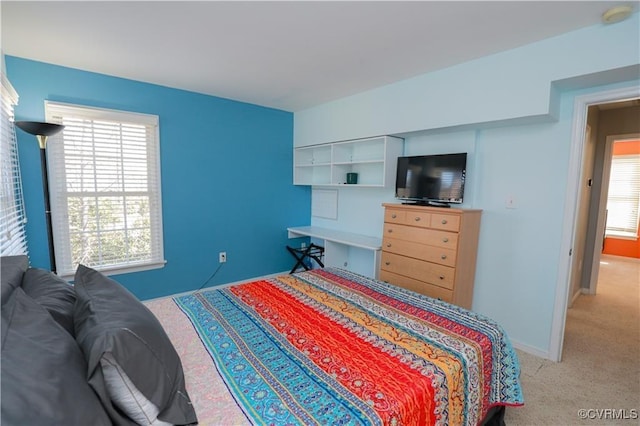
[
  {"x": 576, "y": 295},
  {"x": 185, "y": 293},
  {"x": 586, "y": 291},
  {"x": 531, "y": 350}
]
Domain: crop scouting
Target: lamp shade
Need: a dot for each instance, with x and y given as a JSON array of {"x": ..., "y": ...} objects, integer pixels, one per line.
[{"x": 39, "y": 129}]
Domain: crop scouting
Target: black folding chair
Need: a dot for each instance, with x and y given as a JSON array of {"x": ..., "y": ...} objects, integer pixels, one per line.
[{"x": 312, "y": 252}]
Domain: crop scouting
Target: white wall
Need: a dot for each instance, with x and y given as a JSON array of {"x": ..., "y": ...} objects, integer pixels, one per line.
[
  {"x": 505, "y": 86},
  {"x": 512, "y": 112}
]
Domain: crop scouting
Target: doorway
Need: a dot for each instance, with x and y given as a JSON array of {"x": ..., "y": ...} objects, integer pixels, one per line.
[
  {"x": 616, "y": 117},
  {"x": 580, "y": 183}
]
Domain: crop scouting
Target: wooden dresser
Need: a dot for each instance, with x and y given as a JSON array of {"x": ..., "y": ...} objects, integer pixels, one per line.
[{"x": 431, "y": 250}]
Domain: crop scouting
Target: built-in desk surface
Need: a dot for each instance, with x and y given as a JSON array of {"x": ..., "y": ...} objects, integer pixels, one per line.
[
  {"x": 342, "y": 237},
  {"x": 337, "y": 244}
]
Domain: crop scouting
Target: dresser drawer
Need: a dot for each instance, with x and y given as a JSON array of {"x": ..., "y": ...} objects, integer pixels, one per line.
[
  {"x": 439, "y": 275},
  {"x": 445, "y": 222},
  {"x": 429, "y": 253},
  {"x": 410, "y": 218},
  {"x": 431, "y": 237},
  {"x": 395, "y": 216},
  {"x": 417, "y": 286},
  {"x": 420, "y": 219}
]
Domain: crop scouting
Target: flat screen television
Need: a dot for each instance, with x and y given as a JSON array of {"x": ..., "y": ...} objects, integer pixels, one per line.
[{"x": 431, "y": 179}]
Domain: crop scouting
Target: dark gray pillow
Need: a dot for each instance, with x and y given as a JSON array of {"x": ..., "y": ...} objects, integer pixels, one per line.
[
  {"x": 12, "y": 269},
  {"x": 43, "y": 370},
  {"x": 53, "y": 293},
  {"x": 113, "y": 328}
]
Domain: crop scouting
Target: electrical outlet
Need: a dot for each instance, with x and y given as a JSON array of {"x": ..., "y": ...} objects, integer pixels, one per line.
[
  {"x": 303, "y": 245},
  {"x": 222, "y": 256},
  {"x": 510, "y": 202}
]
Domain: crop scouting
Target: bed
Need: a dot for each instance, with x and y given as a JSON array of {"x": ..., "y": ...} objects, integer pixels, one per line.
[{"x": 328, "y": 346}]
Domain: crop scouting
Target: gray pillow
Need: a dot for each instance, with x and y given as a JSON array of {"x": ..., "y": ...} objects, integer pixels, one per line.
[
  {"x": 112, "y": 326},
  {"x": 12, "y": 269},
  {"x": 43, "y": 370},
  {"x": 53, "y": 293}
]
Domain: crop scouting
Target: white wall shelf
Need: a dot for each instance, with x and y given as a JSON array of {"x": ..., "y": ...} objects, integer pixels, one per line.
[{"x": 373, "y": 159}]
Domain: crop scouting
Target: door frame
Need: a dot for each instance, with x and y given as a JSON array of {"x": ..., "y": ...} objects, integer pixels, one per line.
[{"x": 580, "y": 107}]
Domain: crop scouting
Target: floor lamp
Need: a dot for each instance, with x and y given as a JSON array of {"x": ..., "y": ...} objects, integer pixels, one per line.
[{"x": 42, "y": 131}]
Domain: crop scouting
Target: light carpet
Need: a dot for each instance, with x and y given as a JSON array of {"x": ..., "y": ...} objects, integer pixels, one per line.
[{"x": 600, "y": 368}]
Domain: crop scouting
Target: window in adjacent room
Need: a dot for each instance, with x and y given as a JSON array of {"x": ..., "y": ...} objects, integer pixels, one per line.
[
  {"x": 105, "y": 189},
  {"x": 12, "y": 215},
  {"x": 623, "y": 202}
]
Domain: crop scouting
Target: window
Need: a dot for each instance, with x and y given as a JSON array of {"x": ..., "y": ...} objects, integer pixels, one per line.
[
  {"x": 12, "y": 215},
  {"x": 623, "y": 201},
  {"x": 104, "y": 170}
]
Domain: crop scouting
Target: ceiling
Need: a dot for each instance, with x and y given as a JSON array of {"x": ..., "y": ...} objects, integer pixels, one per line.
[{"x": 289, "y": 55}]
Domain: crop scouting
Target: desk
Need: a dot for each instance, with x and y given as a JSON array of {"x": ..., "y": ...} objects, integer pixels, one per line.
[{"x": 337, "y": 248}]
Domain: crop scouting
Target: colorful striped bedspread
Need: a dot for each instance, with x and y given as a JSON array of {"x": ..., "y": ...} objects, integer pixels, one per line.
[{"x": 332, "y": 347}]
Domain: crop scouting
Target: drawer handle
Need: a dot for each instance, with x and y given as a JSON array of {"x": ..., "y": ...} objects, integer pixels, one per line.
[
  {"x": 393, "y": 216},
  {"x": 441, "y": 277},
  {"x": 443, "y": 257},
  {"x": 444, "y": 221},
  {"x": 388, "y": 244},
  {"x": 390, "y": 231},
  {"x": 417, "y": 219},
  {"x": 387, "y": 263},
  {"x": 445, "y": 240}
]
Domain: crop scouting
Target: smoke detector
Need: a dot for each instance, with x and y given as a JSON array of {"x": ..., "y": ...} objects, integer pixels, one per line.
[{"x": 616, "y": 14}]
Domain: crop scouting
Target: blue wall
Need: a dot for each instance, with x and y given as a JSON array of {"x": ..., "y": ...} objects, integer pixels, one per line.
[{"x": 226, "y": 176}]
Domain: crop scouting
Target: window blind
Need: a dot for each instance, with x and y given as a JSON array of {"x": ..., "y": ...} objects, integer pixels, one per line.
[
  {"x": 623, "y": 201},
  {"x": 104, "y": 170},
  {"x": 12, "y": 213}
]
